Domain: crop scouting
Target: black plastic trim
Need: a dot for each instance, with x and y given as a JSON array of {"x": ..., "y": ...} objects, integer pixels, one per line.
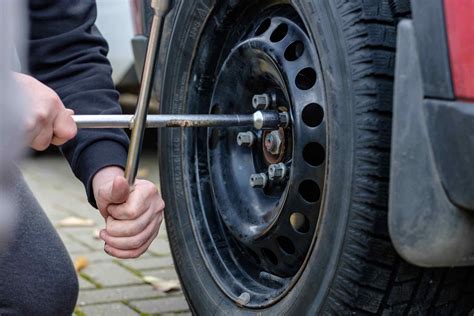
[
  {"x": 430, "y": 33},
  {"x": 451, "y": 131}
]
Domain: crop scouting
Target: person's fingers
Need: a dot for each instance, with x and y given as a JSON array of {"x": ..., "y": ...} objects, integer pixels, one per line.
[
  {"x": 31, "y": 128},
  {"x": 138, "y": 203},
  {"x": 130, "y": 254},
  {"x": 42, "y": 141},
  {"x": 115, "y": 192},
  {"x": 64, "y": 127},
  {"x": 126, "y": 228},
  {"x": 40, "y": 129},
  {"x": 133, "y": 242}
]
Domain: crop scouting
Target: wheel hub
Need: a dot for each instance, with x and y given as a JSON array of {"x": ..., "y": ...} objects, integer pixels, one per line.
[{"x": 274, "y": 146}]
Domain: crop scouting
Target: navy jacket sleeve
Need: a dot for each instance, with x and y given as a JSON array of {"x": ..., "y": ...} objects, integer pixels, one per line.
[{"x": 68, "y": 54}]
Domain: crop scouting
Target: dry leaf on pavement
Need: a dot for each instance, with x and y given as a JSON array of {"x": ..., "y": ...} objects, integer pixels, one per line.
[
  {"x": 163, "y": 286},
  {"x": 97, "y": 234},
  {"x": 80, "y": 263},
  {"x": 75, "y": 222},
  {"x": 143, "y": 173}
]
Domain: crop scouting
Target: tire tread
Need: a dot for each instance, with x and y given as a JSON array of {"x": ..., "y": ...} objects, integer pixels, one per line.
[{"x": 371, "y": 278}]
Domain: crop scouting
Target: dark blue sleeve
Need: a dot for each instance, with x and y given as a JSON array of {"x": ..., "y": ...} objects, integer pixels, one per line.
[{"x": 68, "y": 54}]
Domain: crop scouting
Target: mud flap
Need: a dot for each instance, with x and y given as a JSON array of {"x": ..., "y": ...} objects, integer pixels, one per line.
[{"x": 426, "y": 228}]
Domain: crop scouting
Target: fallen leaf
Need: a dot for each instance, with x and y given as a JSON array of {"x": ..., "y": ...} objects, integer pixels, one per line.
[
  {"x": 143, "y": 173},
  {"x": 76, "y": 222},
  {"x": 80, "y": 263},
  {"x": 163, "y": 286},
  {"x": 97, "y": 234}
]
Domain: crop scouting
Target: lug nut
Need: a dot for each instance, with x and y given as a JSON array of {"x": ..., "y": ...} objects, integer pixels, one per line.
[
  {"x": 277, "y": 172},
  {"x": 258, "y": 180},
  {"x": 246, "y": 139},
  {"x": 261, "y": 101},
  {"x": 273, "y": 143}
]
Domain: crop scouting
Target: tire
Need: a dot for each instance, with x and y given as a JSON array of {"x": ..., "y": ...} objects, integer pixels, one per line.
[{"x": 351, "y": 267}]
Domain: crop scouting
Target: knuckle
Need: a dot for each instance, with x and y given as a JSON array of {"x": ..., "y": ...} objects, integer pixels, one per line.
[
  {"x": 41, "y": 145},
  {"x": 159, "y": 208},
  {"x": 55, "y": 99},
  {"x": 110, "y": 227},
  {"x": 131, "y": 213},
  {"x": 42, "y": 117},
  {"x": 111, "y": 209},
  {"x": 151, "y": 188},
  {"x": 73, "y": 131}
]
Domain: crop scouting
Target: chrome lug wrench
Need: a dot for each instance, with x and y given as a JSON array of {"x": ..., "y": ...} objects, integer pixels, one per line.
[
  {"x": 161, "y": 9},
  {"x": 266, "y": 120}
]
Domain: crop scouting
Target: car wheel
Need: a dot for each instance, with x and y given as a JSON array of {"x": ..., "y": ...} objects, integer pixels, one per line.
[{"x": 312, "y": 239}]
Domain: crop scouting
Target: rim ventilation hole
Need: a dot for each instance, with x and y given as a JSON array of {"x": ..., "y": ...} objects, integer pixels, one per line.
[
  {"x": 299, "y": 222},
  {"x": 294, "y": 51},
  {"x": 309, "y": 191},
  {"x": 254, "y": 256},
  {"x": 314, "y": 154},
  {"x": 306, "y": 78},
  {"x": 214, "y": 139},
  {"x": 286, "y": 245},
  {"x": 267, "y": 253},
  {"x": 313, "y": 115},
  {"x": 263, "y": 27},
  {"x": 279, "y": 33}
]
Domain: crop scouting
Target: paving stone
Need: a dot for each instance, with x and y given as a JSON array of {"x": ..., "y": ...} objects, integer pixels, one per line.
[
  {"x": 108, "y": 309},
  {"x": 84, "y": 284},
  {"x": 110, "y": 274},
  {"x": 149, "y": 263},
  {"x": 117, "y": 294},
  {"x": 73, "y": 247},
  {"x": 162, "y": 305},
  {"x": 160, "y": 247},
  {"x": 87, "y": 237},
  {"x": 97, "y": 256}
]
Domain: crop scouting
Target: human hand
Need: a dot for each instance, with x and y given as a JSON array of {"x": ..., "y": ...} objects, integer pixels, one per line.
[
  {"x": 48, "y": 121},
  {"x": 133, "y": 218}
]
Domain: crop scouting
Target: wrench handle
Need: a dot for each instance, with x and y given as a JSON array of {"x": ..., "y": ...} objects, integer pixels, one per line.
[{"x": 161, "y": 8}]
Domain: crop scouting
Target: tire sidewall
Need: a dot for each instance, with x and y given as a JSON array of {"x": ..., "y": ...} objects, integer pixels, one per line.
[{"x": 310, "y": 292}]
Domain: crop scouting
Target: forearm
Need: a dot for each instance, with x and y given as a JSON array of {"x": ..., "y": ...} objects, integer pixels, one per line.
[{"x": 68, "y": 54}]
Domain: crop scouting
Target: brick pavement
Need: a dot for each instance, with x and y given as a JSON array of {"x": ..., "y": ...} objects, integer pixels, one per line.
[{"x": 107, "y": 285}]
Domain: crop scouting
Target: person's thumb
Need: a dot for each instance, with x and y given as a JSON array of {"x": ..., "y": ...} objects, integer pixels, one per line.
[{"x": 116, "y": 191}]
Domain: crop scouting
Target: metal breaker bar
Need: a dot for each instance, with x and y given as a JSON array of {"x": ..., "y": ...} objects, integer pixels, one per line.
[{"x": 258, "y": 120}]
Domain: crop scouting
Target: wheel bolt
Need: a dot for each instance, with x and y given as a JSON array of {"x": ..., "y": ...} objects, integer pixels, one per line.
[
  {"x": 277, "y": 172},
  {"x": 246, "y": 139},
  {"x": 273, "y": 143},
  {"x": 261, "y": 101},
  {"x": 258, "y": 180}
]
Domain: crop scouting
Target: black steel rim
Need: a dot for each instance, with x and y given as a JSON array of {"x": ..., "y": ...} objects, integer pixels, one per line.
[{"x": 255, "y": 241}]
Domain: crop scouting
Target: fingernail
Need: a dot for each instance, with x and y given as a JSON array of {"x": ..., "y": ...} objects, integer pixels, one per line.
[{"x": 106, "y": 249}]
